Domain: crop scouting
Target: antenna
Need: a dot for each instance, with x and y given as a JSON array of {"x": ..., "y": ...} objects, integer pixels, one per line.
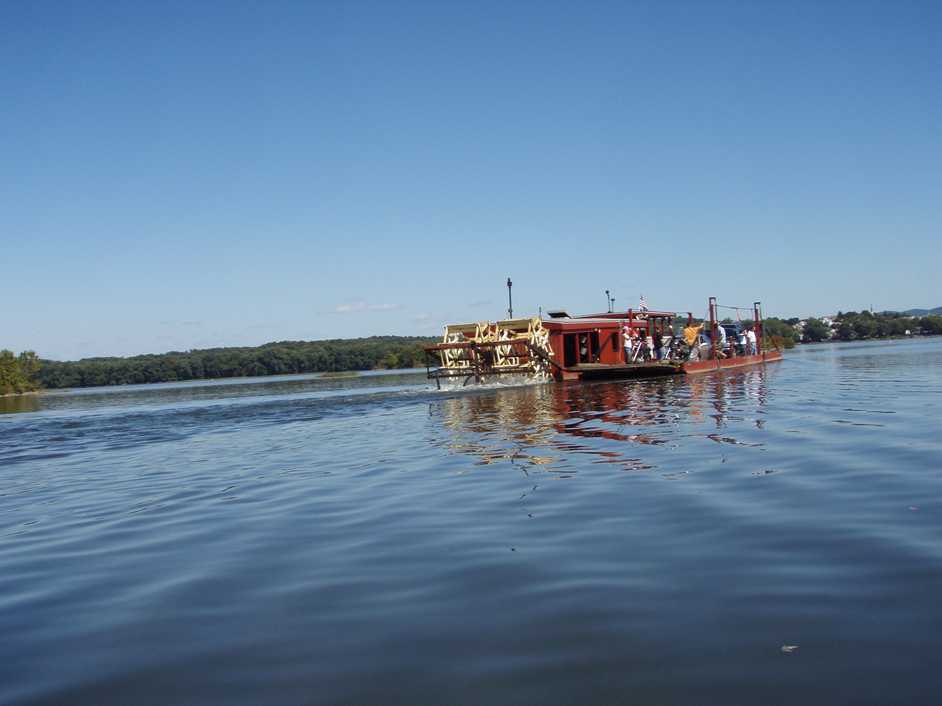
[
  {"x": 610, "y": 300},
  {"x": 510, "y": 299}
]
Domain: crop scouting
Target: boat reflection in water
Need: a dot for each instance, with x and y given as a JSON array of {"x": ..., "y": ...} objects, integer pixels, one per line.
[{"x": 551, "y": 426}]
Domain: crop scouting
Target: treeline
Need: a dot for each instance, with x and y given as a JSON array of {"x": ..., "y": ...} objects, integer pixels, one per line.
[
  {"x": 18, "y": 373},
  {"x": 848, "y": 326},
  {"x": 854, "y": 326},
  {"x": 391, "y": 352}
]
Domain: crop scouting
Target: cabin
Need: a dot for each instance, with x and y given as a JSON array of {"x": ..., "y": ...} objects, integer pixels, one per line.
[{"x": 593, "y": 345}]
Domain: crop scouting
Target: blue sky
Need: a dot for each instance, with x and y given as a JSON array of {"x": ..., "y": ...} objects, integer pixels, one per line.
[{"x": 181, "y": 175}]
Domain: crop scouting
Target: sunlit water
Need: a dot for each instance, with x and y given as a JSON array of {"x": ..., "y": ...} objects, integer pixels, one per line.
[{"x": 370, "y": 540}]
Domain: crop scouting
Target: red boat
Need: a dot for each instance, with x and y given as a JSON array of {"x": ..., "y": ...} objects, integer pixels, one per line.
[{"x": 610, "y": 345}]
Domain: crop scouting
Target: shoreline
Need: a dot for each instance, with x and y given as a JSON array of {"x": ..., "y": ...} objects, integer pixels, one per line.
[
  {"x": 329, "y": 375},
  {"x": 22, "y": 394},
  {"x": 865, "y": 340}
]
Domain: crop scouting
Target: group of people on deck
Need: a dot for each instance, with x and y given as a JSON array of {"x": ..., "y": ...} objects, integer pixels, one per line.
[
  {"x": 698, "y": 340},
  {"x": 644, "y": 348}
]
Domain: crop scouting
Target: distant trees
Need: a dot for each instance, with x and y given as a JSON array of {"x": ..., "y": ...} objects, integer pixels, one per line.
[
  {"x": 816, "y": 330},
  {"x": 18, "y": 373},
  {"x": 852, "y": 325},
  {"x": 931, "y": 325},
  {"x": 280, "y": 358},
  {"x": 848, "y": 326},
  {"x": 778, "y": 328}
]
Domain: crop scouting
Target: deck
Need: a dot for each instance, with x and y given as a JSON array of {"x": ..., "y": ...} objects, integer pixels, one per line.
[
  {"x": 708, "y": 366},
  {"x": 595, "y": 371}
]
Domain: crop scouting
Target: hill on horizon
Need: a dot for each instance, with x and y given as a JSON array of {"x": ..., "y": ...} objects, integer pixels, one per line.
[{"x": 924, "y": 312}]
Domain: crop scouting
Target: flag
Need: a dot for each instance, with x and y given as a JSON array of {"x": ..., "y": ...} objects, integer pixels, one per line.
[{"x": 643, "y": 306}]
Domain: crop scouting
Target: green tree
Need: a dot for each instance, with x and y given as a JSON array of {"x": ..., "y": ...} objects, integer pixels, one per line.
[
  {"x": 778, "y": 328},
  {"x": 816, "y": 330},
  {"x": 18, "y": 374},
  {"x": 931, "y": 325},
  {"x": 865, "y": 326}
]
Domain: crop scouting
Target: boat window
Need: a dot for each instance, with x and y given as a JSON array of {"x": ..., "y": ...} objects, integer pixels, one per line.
[
  {"x": 615, "y": 337},
  {"x": 594, "y": 338}
]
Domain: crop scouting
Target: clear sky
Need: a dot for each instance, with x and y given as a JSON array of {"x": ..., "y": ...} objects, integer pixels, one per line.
[{"x": 194, "y": 174}]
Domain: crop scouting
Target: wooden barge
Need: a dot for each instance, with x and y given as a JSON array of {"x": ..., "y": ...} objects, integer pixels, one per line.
[{"x": 608, "y": 345}]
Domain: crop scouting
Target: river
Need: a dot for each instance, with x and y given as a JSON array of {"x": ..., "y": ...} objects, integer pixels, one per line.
[{"x": 766, "y": 536}]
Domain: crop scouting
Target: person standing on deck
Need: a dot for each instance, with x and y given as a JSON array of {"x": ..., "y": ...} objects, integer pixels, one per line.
[
  {"x": 691, "y": 333},
  {"x": 750, "y": 341},
  {"x": 720, "y": 341},
  {"x": 649, "y": 347},
  {"x": 692, "y": 338},
  {"x": 638, "y": 345}
]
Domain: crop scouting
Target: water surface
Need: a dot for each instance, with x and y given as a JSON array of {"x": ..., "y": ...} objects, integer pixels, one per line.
[{"x": 304, "y": 540}]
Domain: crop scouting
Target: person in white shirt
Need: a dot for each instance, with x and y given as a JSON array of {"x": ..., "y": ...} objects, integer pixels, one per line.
[
  {"x": 627, "y": 341},
  {"x": 720, "y": 341},
  {"x": 751, "y": 341}
]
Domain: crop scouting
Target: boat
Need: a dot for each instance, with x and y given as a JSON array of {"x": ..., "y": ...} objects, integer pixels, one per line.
[{"x": 564, "y": 347}]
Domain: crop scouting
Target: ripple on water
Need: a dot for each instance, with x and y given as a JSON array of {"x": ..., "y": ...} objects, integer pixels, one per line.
[{"x": 374, "y": 540}]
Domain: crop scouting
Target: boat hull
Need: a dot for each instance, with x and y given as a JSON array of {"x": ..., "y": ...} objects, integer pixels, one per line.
[
  {"x": 708, "y": 366},
  {"x": 624, "y": 372},
  {"x": 644, "y": 370}
]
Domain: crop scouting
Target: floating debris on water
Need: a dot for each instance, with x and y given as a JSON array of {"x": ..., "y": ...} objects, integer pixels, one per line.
[
  {"x": 789, "y": 649},
  {"x": 765, "y": 472},
  {"x": 730, "y": 440}
]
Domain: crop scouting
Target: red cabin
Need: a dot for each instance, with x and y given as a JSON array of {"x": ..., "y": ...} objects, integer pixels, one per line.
[{"x": 597, "y": 345}]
